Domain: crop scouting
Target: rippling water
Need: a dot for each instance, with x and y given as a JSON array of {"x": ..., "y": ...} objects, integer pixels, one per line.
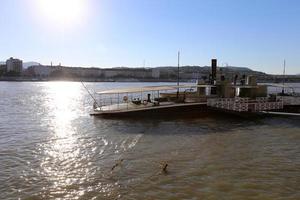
[{"x": 51, "y": 148}]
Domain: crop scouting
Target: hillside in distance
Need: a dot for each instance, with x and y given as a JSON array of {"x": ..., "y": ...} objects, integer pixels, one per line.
[
  {"x": 25, "y": 64},
  {"x": 36, "y": 71},
  {"x": 29, "y": 64},
  {"x": 207, "y": 70},
  {"x": 183, "y": 69}
]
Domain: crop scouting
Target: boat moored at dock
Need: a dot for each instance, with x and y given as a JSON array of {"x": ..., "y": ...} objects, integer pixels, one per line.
[
  {"x": 242, "y": 96},
  {"x": 149, "y": 99}
]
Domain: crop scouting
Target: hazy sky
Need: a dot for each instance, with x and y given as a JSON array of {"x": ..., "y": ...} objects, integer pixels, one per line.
[{"x": 106, "y": 33}]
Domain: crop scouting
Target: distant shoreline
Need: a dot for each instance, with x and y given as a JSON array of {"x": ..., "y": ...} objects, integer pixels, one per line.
[
  {"x": 28, "y": 79},
  {"x": 22, "y": 79}
]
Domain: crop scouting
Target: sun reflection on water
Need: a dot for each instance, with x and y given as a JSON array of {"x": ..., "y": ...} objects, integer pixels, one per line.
[
  {"x": 62, "y": 105},
  {"x": 73, "y": 163},
  {"x": 62, "y": 151}
]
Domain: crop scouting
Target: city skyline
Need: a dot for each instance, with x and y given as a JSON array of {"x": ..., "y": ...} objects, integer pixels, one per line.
[{"x": 256, "y": 34}]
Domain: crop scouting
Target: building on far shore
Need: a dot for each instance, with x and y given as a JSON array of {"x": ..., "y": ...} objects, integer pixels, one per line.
[
  {"x": 41, "y": 71},
  {"x": 2, "y": 69},
  {"x": 156, "y": 73},
  {"x": 14, "y": 65}
]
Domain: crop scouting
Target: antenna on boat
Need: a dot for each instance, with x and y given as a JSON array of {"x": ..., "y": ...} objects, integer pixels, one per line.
[
  {"x": 178, "y": 74},
  {"x": 95, "y": 101},
  {"x": 283, "y": 84}
]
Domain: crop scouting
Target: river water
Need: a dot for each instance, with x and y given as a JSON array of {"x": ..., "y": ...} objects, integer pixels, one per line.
[{"x": 50, "y": 148}]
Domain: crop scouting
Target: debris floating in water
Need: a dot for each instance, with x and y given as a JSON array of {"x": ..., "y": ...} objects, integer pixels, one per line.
[
  {"x": 164, "y": 167},
  {"x": 117, "y": 164}
]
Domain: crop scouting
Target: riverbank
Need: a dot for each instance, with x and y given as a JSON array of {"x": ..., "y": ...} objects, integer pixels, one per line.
[
  {"x": 68, "y": 79},
  {"x": 30, "y": 79}
]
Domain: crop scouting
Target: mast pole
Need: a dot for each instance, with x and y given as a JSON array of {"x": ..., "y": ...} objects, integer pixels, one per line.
[
  {"x": 178, "y": 74},
  {"x": 283, "y": 84},
  {"x": 95, "y": 101}
]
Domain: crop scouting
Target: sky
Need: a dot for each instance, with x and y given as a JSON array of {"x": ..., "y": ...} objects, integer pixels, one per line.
[{"x": 258, "y": 34}]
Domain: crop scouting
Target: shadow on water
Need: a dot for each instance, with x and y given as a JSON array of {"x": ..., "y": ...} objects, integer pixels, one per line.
[
  {"x": 206, "y": 123},
  {"x": 291, "y": 121},
  {"x": 189, "y": 123}
]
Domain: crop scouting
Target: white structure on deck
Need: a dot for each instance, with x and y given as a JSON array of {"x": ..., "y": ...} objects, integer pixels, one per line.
[{"x": 245, "y": 104}]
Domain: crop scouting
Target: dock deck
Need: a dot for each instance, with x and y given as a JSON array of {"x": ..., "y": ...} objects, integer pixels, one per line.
[{"x": 131, "y": 107}]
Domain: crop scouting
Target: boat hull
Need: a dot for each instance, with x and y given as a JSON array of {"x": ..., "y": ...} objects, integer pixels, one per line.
[{"x": 181, "y": 110}]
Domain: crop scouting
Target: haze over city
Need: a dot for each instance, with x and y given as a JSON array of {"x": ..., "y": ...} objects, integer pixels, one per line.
[{"x": 111, "y": 33}]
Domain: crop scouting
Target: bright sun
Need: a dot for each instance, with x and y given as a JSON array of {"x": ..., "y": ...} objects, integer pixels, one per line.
[{"x": 64, "y": 12}]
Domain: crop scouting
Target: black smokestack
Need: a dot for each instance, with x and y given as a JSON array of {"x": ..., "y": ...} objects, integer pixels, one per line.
[{"x": 213, "y": 70}]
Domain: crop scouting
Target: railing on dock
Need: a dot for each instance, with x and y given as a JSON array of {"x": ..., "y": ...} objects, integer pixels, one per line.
[
  {"x": 291, "y": 100},
  {"x": 245, "y": 104},
  {"x": 234, "y": 104}
]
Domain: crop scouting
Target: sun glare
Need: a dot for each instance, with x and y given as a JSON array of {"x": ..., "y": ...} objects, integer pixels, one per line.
[{"x": 62, "y": 12}]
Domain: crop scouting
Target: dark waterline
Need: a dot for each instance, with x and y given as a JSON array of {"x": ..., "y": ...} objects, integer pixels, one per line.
[{"x": 51, "y": 148}]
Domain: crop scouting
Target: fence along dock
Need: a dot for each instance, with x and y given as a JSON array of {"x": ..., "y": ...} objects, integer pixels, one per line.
[{"x": 245, "y": 104}]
